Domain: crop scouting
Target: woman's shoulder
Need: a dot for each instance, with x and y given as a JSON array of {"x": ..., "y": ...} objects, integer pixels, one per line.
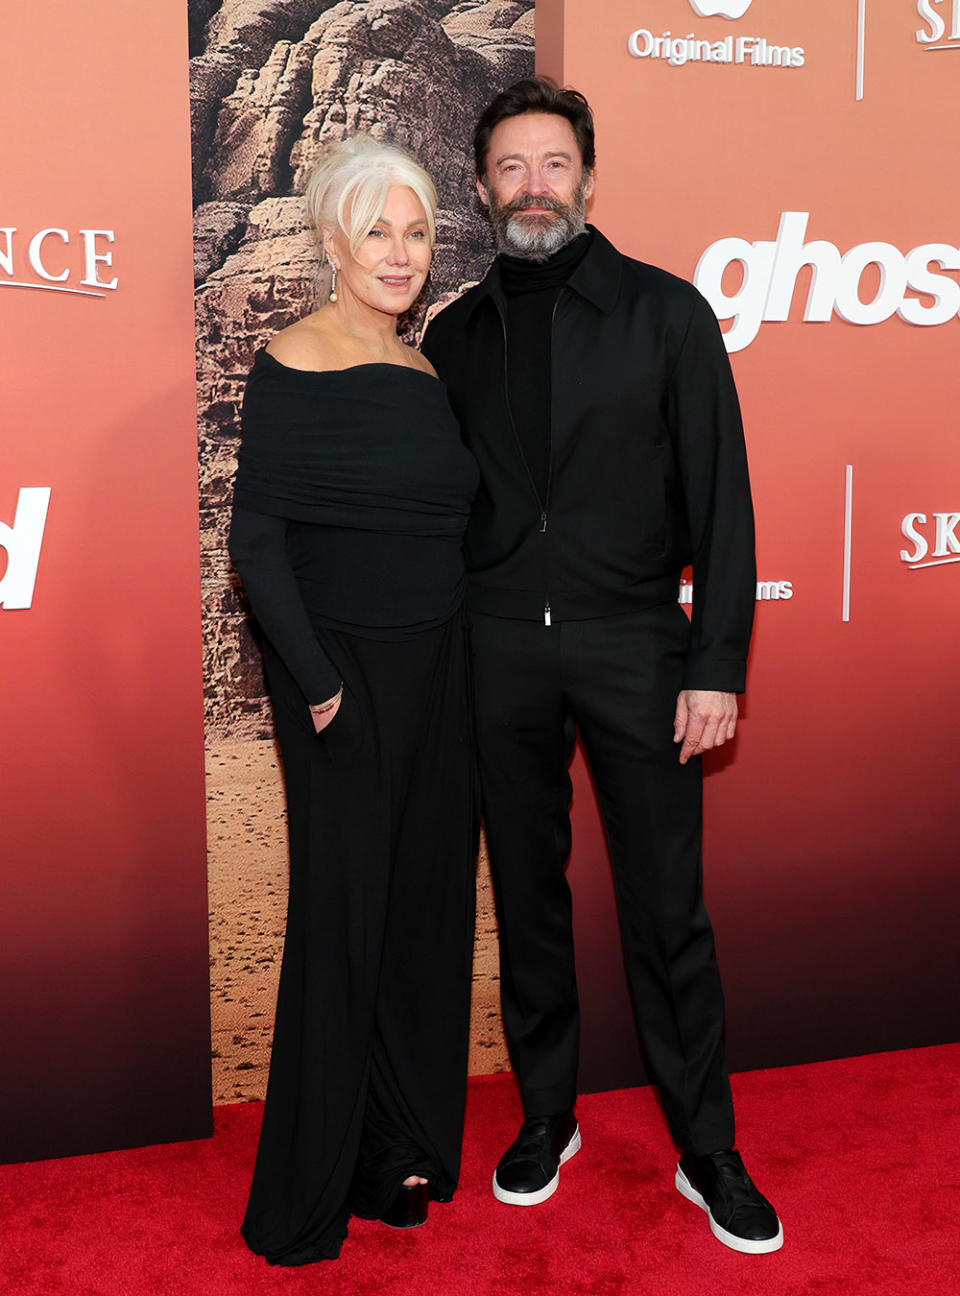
[
  {"x": 305, "y": 345},
  {"x": 311, "y": 346},
  {"x": 417, "y": 360}
]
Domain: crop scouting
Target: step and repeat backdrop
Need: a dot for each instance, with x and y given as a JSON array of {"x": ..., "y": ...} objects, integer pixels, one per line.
[
  {"x": 103, "y": 932},
  {"x": 795, "y": 161}
]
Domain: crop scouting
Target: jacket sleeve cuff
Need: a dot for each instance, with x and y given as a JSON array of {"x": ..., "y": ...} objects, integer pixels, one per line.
[{"x": 716, "y": 675}]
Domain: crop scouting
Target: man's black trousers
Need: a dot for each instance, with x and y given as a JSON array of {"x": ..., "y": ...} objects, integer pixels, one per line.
[{"x": 616, "y": 680}]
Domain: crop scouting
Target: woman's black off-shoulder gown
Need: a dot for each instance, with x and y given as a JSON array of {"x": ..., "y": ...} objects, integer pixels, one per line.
[{"x": 353, "y": 491}]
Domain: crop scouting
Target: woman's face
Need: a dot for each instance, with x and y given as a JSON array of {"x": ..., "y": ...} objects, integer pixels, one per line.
[{"x": 391, "y": 264}]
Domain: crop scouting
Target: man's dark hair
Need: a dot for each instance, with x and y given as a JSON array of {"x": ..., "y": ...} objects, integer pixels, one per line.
[{"x": 535, "y": 94}]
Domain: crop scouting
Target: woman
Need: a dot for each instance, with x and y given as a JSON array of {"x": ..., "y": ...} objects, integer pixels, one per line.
[{"x": 351, "y": 499}]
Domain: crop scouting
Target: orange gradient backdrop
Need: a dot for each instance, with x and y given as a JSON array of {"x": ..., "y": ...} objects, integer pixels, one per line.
[
  {"x": 103, "y": 916},
  {"x": 831, "y": 847}
]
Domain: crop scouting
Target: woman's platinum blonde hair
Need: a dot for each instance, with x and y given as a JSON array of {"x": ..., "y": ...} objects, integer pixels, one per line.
[{"x": 348, "y": 187}]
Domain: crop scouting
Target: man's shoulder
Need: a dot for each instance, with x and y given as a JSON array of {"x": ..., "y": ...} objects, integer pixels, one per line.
[
  {"x": 671, "y": 288},
  {"x": 616, "y": 281},
  {"x": 642, "y": 277}
]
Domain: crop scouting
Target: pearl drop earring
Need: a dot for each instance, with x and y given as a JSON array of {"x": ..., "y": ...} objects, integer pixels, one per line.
[{"x": 333, "y": 282}]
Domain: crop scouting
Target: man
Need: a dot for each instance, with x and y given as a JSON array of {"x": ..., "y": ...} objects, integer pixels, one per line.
[{"x": 596, "y": 395}]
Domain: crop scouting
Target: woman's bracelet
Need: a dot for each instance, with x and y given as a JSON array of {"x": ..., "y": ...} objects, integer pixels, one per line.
[{"x": 321, "y": 707}]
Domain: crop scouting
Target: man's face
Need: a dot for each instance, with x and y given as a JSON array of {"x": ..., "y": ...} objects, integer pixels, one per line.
[{"x": 535, "y": 185}]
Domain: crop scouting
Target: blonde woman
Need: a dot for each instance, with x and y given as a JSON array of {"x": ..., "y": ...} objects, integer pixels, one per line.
[{"x": 352, "y": 495}]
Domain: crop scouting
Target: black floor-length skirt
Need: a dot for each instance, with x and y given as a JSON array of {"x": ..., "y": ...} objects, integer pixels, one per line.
[{"x": 368, "y": 1073}]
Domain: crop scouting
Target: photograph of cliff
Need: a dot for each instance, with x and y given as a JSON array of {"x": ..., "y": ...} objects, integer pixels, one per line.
[{"x": 271, "y": 82}]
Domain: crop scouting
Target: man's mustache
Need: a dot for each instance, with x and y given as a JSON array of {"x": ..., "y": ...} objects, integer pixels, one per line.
[{"x": 525, "y": 201}]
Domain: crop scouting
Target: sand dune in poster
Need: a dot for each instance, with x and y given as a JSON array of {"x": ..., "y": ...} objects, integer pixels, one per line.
[{"x": 247, "y": 851}]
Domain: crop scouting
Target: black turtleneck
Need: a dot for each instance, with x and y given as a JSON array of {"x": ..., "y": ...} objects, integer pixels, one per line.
[{"x": 532, "y": 289}]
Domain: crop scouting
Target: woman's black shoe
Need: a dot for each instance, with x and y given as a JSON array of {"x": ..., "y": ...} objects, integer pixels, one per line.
[{"x": 409, "y": 1207}]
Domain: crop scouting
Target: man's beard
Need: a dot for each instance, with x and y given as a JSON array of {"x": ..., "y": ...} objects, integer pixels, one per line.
[{"x": 537, "y": 237}]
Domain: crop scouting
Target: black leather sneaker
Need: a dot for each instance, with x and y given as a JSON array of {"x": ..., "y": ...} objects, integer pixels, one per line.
[
  {"x": 740, "y": 1216},
  {"x": 529, "y": 1170}
]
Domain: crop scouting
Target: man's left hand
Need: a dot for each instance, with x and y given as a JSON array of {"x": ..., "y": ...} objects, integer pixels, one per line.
[{"x": 704, "y": 720}]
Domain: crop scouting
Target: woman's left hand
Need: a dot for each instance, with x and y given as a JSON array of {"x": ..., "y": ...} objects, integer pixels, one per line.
[{"x": 323, "y": 712}]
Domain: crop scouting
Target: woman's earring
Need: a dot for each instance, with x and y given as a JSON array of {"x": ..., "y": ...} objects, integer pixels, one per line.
[{"x": 333, "y": 282}]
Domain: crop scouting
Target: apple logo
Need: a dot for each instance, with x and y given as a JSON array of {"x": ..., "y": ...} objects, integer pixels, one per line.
[{"x": 725, "y": 8}]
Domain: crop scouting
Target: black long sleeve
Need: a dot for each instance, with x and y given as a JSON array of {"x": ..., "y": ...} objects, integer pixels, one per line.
[
  {"x": 708, "y": 434},
  {"x": 258, "y": 551}
]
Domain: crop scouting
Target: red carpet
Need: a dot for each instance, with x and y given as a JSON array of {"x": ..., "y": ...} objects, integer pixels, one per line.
[{"x": 859, "y": 1156}]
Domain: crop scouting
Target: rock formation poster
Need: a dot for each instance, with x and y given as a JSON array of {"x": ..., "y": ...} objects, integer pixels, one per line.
[{"x": 272, "y": 81}]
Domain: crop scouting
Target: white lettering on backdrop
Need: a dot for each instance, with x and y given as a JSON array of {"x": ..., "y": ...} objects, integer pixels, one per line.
[
  {"x": 22, "y": 542},
  {"x": 770, "y": 271}
]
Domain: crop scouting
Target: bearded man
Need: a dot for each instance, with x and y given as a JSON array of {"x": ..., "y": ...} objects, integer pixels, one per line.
[{"x": 596, "y": 395}]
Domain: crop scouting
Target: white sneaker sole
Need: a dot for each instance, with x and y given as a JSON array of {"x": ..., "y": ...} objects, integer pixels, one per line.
[
  {"x": 541, "y": 1195},
  {"x": 747, "y": 1245}
]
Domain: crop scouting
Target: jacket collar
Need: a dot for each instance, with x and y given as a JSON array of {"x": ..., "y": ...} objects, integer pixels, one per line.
[{"x": 596, "y": 278}]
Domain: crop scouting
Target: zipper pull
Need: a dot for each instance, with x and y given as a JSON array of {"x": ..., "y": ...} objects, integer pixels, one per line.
[
  {"x": 543, "y": 527},
  {"x": 546, "y": 613}
]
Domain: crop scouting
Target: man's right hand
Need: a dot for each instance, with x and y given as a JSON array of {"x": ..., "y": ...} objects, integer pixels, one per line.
[{"x": 704, "y": 720}]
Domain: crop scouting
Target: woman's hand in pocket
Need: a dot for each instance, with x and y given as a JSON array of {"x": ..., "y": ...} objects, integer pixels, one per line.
[{"x": 323, "y": 712}]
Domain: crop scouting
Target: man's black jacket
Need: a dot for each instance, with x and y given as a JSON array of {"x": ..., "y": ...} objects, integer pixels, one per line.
[{"x": 648, "y": 470}]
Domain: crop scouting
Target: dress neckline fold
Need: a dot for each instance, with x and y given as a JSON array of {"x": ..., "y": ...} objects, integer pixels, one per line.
[{"x": 264, "y": 354}]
